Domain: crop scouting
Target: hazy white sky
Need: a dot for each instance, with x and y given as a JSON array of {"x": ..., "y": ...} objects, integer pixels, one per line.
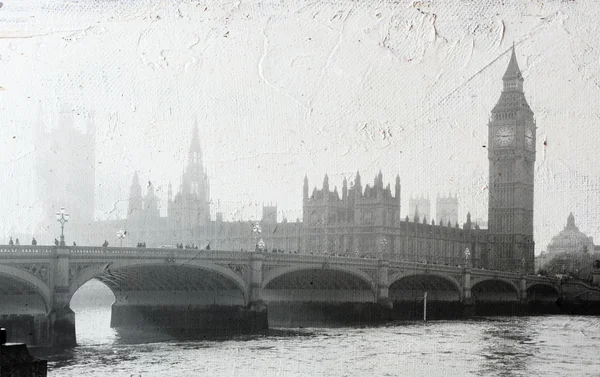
[{"x": 286, "y": 88}]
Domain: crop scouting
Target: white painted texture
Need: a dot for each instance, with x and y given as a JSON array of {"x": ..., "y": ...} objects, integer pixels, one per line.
[{"x": 284, "y": 88}]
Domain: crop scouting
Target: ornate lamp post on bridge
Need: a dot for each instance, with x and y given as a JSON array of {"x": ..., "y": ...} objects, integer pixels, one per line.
[
  {"x": 383, "y": 247},
  {"x": 467, "y": 279},
  {"x": 62, "y": 217},
  {"x": 467, "y": 257},
  {"x": 120, "y": 235},
  {"x": 257, "y": 230}
]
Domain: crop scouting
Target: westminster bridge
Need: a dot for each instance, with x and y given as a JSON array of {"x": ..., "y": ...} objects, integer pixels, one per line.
[{"x": 210, "y": 289}]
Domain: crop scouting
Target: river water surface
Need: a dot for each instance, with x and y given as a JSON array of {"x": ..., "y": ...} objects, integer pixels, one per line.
[{"x": 492, "y": 346}]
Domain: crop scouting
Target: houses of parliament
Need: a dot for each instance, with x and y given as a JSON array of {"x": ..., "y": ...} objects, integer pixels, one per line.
[{"x": 360, "y": 220}]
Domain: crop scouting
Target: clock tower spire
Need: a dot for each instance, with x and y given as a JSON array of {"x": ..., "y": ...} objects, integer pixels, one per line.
[{"x": 511, "y": 154}]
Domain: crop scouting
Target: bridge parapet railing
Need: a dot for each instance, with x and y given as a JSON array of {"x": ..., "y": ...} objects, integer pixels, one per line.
[
  {"x": 317, "y": 258},
  {"x": 25, "y": 249},
  {"x": 543, "y": 279},
  {"x": 157, "y": 252},
  {"x": 425, "y": 266},
  {"x": 496, "y": 273},
  {"x": 117, "y": 250}
]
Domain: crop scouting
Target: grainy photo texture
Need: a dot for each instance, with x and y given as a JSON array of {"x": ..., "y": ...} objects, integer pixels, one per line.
[{"x": 299, "y": 188}]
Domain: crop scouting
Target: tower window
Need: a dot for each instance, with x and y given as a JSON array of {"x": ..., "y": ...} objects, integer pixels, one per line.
[{"x": 195, "y": 188}]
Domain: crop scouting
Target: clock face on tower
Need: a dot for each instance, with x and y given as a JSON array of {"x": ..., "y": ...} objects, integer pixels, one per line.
[
  {"x": 529, "y": 138},
  {"x": 504, "y": 136}
]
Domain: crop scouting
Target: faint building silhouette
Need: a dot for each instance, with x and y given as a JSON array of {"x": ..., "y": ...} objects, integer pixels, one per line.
[
  {"x": 570, "y": 240},
  {"x": 446, "y": 209},
  {"x": 189, "y": 209},
  {"x": 65, "y": 172},
  {"x": 364, "y": 221},
  {"x": 419, "y": 208},
  {"x": 269, "y": 214}
]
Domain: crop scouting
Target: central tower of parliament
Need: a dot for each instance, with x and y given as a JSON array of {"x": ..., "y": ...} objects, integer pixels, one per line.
[{"x": 362, "y": 221}]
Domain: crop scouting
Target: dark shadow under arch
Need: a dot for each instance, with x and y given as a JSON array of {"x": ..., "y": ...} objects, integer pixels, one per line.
[
  {"x": 413, "y": 287},
  {"x": 321, "y": 278}
]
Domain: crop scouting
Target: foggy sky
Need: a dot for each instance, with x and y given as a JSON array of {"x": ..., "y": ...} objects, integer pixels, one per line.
[{"x": 284, "y": 89}]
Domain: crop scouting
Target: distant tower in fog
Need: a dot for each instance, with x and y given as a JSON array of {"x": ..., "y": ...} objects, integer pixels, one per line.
[
  {"x": 65, "y": 173},
  {"x": 269, "y": 214},
  {"x": 419, "y": 208},
  {"x": 134, "y": 208},
  {"x": 190, "y": 207},
  {"x": 446, "y": 210}
]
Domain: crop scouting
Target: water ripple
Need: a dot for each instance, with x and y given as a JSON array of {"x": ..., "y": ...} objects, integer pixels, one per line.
[{"x": 531, "y": 346}]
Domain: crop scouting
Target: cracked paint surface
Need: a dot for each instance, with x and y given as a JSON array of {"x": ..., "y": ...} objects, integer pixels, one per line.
[{"x": 281, "y": 89}]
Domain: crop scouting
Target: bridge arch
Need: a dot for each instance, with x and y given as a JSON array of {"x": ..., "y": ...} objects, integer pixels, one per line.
[
  {"x": 401, "y": 275},
  {"x": 328, "y": 278},
  {"x": 281, "y": 271},
  {"x": 542, "y": 290},
  {"x": 115, "y": 272},
  {"x": 26, "y": 278},
  {"x": 441, "y": 286},
  {"x": 495, "y": 289}
]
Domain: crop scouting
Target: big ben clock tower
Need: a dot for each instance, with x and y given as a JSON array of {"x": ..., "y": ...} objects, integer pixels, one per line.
[{"x": 511, "y": 153}]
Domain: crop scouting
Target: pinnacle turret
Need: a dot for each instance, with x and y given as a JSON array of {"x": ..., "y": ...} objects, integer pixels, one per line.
[
  {"x": 195, "y": 153},
  {"x": 512, "y": 71},
  {"x": 135, "y": 197}
]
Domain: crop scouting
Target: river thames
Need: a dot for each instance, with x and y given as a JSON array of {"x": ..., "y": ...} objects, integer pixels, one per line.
[{"x": 491, "y": 346}]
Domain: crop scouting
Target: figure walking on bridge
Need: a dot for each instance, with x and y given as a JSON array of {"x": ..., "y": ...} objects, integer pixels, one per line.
[{"x": 33, "y": 241}]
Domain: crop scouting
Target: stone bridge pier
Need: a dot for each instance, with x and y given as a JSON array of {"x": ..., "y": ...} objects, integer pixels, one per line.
[{"x": 61, "y": 319}]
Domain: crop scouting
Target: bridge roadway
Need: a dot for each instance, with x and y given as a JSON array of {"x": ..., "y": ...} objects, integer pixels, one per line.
[{"x": 200, "y": 289}]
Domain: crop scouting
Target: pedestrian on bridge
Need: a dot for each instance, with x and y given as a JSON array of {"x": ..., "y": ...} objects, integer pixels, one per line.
[
  {"x": 17, "y": 242},
  {"x": 33, "y": 241},
  {"x": 10, "y": 241}
]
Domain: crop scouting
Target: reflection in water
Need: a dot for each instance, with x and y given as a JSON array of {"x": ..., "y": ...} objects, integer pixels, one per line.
[
  {"x": 507, "y": 346},
  {"x": 527, "y": 346}
]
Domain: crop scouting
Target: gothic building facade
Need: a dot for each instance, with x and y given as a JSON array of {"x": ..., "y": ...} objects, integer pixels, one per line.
[
  {"x": 351, "y": 222},
  {"x": 364, "y": 221}
]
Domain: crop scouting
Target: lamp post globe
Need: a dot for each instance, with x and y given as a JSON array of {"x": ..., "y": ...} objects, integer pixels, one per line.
[
  {"x": 120, "y": 235},
  {"x": 62, "y": 217},
  {"x": 383, "y": 246},
  {"x": 257, "y": 230},
  {"x": 467, "y": 257}
]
